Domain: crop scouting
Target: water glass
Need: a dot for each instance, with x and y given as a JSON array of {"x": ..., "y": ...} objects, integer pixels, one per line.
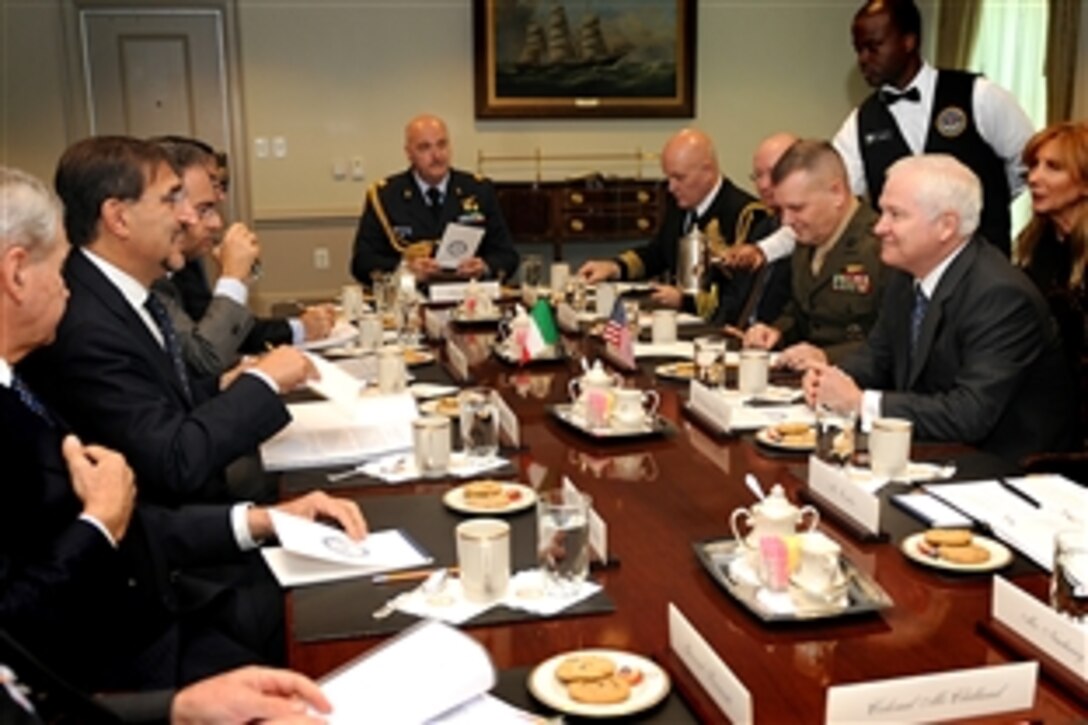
[
  {"x": 532, "y": 271},
  {"x": 1069, "y": 580},
  {"x": 631, "y": 311},
  {"x": 709, "y": 359},
  {"x": 479, "y": 423},
  {"x": 835, "y": 435},
  {"x": 562, "y": 518}
]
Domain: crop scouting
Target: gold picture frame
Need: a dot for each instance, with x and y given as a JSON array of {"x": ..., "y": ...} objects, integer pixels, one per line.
[{"x": 585, "y": 58}]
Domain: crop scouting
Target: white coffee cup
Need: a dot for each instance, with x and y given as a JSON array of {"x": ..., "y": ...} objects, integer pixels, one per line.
[
  {"x": 663, "y": 326},
  {"x": 606, "y": 299},
  {"x": 483, "y": 556},
  {"x": 370, "y": 331},
  {"x": 752, "y": 373},
  {"x": 431, "y": 443},
  {"x": 819, "y": 571},
  {"x": 560, "y": 275},
  {"x": 889, "y": 447},
  {"x": 392, "y": 372}
]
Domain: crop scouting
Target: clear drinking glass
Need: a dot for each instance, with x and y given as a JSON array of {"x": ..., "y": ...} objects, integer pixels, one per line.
[
  {"x": 532, "y": 270},
  {"x": 710, "y": 360},
  {"x": 835, "y": 435},
  {"x": 479, "y": 423},
  {"x": 562, "y": 518}
]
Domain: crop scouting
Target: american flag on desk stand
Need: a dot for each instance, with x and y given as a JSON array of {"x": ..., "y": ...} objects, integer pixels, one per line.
[{"x": 617, "y": 335}]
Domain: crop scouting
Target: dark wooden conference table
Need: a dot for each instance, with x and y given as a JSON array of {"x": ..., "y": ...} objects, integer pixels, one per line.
[{"x": 658, "y": 496}]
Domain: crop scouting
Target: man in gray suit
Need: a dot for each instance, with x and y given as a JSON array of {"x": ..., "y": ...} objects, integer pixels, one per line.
[
  {"x": 964, "y": 347},
  {"x": 836, "y": 275}
]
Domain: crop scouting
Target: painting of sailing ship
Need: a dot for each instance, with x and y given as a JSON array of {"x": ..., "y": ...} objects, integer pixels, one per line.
[{"x": 584, "y": 58}]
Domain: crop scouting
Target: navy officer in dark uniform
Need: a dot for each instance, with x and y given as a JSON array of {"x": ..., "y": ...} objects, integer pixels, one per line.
[{"x": 406, "y": 214}]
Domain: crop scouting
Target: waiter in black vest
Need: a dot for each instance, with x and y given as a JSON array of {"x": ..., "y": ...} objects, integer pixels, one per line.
[{"x": 919, "y": 109}]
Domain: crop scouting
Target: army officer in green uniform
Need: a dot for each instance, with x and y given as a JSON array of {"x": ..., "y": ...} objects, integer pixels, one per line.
[
  {"x": 406, "y": 214},
  {"x": 837, "y": 275}
]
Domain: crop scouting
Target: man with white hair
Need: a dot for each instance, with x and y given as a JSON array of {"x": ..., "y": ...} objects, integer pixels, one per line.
[{"x": 964, "y": 346}]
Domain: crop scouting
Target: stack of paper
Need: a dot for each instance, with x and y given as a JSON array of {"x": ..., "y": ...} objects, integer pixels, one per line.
[
  {"x": 430, "y": 673},
  {"x": 326, "y": 434},
  {"x": 310, "y": 552}
]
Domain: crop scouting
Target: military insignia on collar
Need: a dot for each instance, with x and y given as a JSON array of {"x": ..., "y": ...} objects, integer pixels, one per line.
[
  {"x": 408, "y": 193},
  {"x": 951, "y": 122}
]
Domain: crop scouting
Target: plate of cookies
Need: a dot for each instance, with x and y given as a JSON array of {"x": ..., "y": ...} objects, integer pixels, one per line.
[
  {"x": 490, "y": 497},
  {"x": 414, "y": 356},
  {"x": 788, "y": 436},
  {"x": 956, "y": 550},
  {"x": 449, "y": 406},
  {"x": 685, "y": 370},
  {"x": 599, "y": 683}
]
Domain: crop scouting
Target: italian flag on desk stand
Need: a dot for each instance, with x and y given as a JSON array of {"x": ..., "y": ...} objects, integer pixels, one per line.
[{"x": 541, "y": 333}]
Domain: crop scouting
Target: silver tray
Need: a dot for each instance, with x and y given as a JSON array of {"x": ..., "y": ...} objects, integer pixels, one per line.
[
  {"x": 501, "y": 354},
  {"x": 564, "y": 412},
  {"x": 859, "y": 593},
  {"x": 490, "y": 320}
]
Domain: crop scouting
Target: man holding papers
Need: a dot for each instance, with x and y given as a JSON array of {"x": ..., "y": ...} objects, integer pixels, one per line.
[
  {"x": 964, "y": 345},
  {"x": 116, "y": 370},
  {"x": 104, "y": 590},
  {"x": 431, "y": 216}
]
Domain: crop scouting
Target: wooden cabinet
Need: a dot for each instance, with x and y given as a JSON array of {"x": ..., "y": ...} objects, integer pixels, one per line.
[{"x": 582, "y": 210}]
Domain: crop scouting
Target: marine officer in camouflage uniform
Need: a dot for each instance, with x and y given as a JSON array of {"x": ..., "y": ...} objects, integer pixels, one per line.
[{"x": 406, "y": 214}]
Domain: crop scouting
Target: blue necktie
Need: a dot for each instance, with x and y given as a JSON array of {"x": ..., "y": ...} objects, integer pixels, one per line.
[
  {"x": 170, "y": 337},
  {"x": 30, "y": 400},
  {"x": 434, "y": 197},
  {"x": 917, "y": 314}
]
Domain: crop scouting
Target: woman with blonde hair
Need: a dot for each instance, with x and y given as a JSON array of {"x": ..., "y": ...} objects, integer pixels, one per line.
[{"x": 1053, "y": 248}]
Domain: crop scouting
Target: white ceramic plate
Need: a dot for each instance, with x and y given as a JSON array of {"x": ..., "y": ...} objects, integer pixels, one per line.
[
  {"x": 653, "y": 688},
  {"x": 763, "y": 435},
  {"x": 342, "y": 333},
  {"x": 433, "y": 407},
  {"x": 525, "y": 497},
  {"x": 999, "y": 554}
]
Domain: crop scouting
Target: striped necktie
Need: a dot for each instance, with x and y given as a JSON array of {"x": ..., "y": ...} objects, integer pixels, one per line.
[
  {"x": 31, "y": 401},
  {"x": 917, "y": 314},
  {"x": 170, "y": 338}
]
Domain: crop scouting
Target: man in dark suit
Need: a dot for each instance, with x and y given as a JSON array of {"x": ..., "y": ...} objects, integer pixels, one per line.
[
  {"x": 837, "y": 277},
  {"x": 216, "y": 326},
  {"x": 112, "y": 594},
  {"x": 116, "y": 371},
  {"x": 406, "y": 214},
  {"x": 964, "y": 346},
  {"x": 699, "y": 195},
  {"x": 31, "y": 694}
]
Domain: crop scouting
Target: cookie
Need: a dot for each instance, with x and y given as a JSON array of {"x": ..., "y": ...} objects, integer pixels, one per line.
[
  {"x": 448, "y": 406},
  {"x": 605, "y": 691},
  {"x": 948, "y": 537},
  {"x": 789, "y": 429},
  {"x": 580, "y": 668},
  {"x": 971, "y": 554}
]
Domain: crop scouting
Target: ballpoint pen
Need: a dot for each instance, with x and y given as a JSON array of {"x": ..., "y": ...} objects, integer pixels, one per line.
[{"x": 408, "y": 576}]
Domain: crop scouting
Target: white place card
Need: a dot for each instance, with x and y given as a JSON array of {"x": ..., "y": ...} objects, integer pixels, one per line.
[
  {"x": 455, "y": 291},
  {"x": 835, "y": 486},
  {"x": 1060, "y": 637},
  {"x": 508, "y": 421},
  {"x": 707, "y": 402},
  {"x": 598, "y": 536},
  {"x": 723, "y": 686},
  {"x": 567, "y": 318},
  {"x": 929, "y": 698},
  {"x": 434, "y": 323},
  {"x": 458, "y": 360}
]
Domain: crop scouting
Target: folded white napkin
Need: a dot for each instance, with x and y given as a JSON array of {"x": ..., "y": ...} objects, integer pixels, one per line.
[
  {"x": 529, "y": 591},
  {"x": 401, "y": 467}
]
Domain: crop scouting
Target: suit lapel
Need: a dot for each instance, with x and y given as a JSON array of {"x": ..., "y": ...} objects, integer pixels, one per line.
[{"x": 82, "y": 271}]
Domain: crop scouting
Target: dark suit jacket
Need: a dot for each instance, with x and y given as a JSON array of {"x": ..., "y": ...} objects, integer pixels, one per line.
[
  {"x": 836, "y": 309},
  {"x": 191, "y": 283},
  {"x": 103, "y": 618},
  {"x": 738, "y": 217},
  {"x": 113, "y": 382},
  {"x": 988, "y": 370},
  {"x": 469, "y": 200},
  {"x": 54, "y": 699}
]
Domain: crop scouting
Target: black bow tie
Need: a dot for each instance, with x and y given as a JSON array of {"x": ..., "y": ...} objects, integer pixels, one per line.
[{"x": 889, "y": 98}]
